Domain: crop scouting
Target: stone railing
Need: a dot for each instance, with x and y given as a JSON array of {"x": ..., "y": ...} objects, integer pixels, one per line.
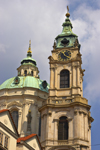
[{"x": 66, "y": 101}]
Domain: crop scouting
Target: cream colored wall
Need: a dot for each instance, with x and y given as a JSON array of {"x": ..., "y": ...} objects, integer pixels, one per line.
[
  {"x": 21, "y": 147},
  {"x": 31, "y": 99},
  {"x": 6, "y": 121},
  {"x": 33, "y": 142},
  {"x": 12, "y": 140}
]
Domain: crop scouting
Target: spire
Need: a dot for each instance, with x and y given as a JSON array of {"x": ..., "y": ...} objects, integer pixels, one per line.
[
  {"x": 67, "y": 20},
  {"x": 67, "y": 37},
  {"x": 29, "y": 52}
]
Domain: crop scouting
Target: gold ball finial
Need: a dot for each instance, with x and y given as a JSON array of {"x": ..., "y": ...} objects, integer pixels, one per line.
[{"x": 67, "y": 14}]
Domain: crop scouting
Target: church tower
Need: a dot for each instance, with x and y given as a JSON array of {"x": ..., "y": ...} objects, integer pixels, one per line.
[{"x": 65, "y": 116}]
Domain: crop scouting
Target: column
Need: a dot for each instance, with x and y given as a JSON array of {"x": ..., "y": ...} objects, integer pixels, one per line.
[
  {"x": 42, "y": 128},
  {"x": 70, "y": 130},
  {"x": 71, "y": 79},
  {"x": 55, "y": 77},
  {"x": 45, "y": 124},
  {"x": 82, "y": 126},
  {"x": 78, "y": 77},
  {"x": 19, "y": 121},
  {"x": 75, "y": 124},
  {"x": 51, "y": 78},
  {"x": 55, "y": 133},
  {"x": 34, "y": 121},
  {"x": 74, "y": 76},
  {"x": 24, "y": 119},
  {"x": 86, "y": 126}
]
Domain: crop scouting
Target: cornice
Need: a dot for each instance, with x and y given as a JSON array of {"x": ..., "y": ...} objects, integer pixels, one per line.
[
  {"x": 64, "y": 105},
  {"x": 65, "y": 62},
  {"x": 65, "y": 48}
]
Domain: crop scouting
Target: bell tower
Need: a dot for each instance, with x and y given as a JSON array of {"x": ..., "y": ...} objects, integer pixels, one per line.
[{"x": 65, "y": 116}]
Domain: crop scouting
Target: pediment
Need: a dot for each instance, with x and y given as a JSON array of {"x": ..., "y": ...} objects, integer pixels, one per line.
[
  {"x": 14, "y": 103},
  {"x": 7, "y": 123}
]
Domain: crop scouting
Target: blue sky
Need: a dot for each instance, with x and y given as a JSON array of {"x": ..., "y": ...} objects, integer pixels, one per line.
[{"x": 41, "y": 21}]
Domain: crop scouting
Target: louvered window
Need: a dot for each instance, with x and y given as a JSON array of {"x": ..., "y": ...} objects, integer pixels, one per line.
[
  {"x": 64, "y": 79},
  {"x": 63, "y": 128},
  {"x": 15, "y": 117}
]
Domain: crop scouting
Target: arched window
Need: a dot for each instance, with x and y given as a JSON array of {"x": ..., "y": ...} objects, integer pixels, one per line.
[
  {"x": 64, "y": 79},
  {"x": 31, "y": 73},
  {"x": 63, "y": 128},
  {"x": 25, "y": 72},
  {"x": 15, "y": 117}
]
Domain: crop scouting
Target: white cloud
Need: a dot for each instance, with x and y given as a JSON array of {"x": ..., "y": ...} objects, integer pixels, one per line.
[
  {"x": 2, "y": 48},
  {"x": 86, "y": 26},
  {"x": 41, "y": 22}
]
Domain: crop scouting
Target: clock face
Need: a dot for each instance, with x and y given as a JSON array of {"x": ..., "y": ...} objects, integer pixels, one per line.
[{"x": 64, "y": 55}]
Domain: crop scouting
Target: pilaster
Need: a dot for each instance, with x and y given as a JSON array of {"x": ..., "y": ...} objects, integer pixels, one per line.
[{"x": 19, "y": 121}]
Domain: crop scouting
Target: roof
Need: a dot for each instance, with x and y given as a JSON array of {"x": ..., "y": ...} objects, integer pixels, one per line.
[
  {"x": 25, "y": 138},
  {"x": 28, "y": 137},
  {"x": 6, "y": 110},
  {"x": 24, "y": 81},
  {"x": 67, "y": 38},
  {"x": 28, "y": 60}
]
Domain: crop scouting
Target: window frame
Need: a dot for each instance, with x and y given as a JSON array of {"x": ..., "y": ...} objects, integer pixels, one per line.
[
  {"x": 6, "y": 137},
  {"x": 64, "y": 78},
  {"x": 61, "y": 130},
  {"x": 3, "y": 146}
]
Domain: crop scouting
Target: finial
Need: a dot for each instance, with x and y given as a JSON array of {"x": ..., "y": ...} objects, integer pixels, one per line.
[
  {"x": 54, "y": 45},
  {"x": 68, "y": 14},
  {"x": 29, "y": 49},
  {"x": 29, "y": 52}
]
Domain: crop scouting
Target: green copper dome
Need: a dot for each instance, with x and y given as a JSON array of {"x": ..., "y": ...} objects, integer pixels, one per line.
[
  {"x": 24, "y": 81},
  {"x": 28, "y": 60}
]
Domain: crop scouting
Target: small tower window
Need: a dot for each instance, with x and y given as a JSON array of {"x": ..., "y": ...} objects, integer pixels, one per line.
[
  {"x": 15, "y": 118},
  {"x": 64, "y": 79},
  {"x": 63, "y": 128},
  {"x": 31, "y": 73},
  {"x": 25, "y": 72}
]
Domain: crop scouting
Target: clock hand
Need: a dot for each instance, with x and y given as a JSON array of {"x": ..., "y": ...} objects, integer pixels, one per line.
[
  {"x": 64, "y": 53},
  {"x": 68, "y": 56}
]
